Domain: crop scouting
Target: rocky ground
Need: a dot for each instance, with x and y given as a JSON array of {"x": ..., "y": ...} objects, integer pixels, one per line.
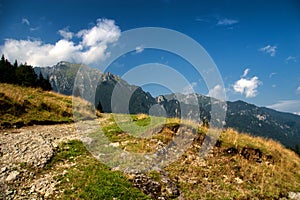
[{"x": 26, "y": 150}]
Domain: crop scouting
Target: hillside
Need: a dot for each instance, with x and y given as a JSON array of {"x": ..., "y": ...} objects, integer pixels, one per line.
[
  {"x": 53, "y": 161},
  {"x": 245, "y": 117},
  {"x": 242, "y": 116},
  {"x": 27, "y": 106}
]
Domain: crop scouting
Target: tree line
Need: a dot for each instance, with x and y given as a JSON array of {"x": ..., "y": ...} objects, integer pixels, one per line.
[{"x": 22, "y": 75}]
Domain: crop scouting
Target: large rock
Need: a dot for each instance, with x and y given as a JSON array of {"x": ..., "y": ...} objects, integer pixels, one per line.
[{"x": 12, "y": 176}]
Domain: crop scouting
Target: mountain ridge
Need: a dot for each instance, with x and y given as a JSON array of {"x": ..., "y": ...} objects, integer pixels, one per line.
[{"x": 240, "y": 115}]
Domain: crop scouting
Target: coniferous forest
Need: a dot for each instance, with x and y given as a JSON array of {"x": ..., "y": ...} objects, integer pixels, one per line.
[{"x": 22, "y": 75}]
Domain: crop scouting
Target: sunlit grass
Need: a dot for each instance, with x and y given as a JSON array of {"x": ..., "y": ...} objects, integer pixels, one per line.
[
  {"x": 88, "y": 178},
  {"x": 33, "y": 106}
]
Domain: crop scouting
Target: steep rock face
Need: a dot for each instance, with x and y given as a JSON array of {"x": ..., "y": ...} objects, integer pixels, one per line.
[
  {"x": 116, "y": 95},
  {"x": 97, "y": 87},
  {"x": 61, "y": 76}
]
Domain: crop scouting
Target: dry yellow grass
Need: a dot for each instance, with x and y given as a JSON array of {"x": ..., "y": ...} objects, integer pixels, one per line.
[
  {"x": 141, "y": 116},
  {"x": 26, "y": 106},
  {"x": 223, "y": 175}
]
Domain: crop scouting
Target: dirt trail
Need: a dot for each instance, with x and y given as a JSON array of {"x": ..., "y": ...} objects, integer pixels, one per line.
[{"x": 33, "y": 147}]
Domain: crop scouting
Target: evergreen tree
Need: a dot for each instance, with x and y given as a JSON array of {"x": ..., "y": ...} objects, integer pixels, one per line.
[
  {"x": 99, "y": 107},
  {"x": 47, "y": 85},
  {"x": 43, "y": 83},
  {"x": 16, "y": 64},
  {"x": 2, "y": 69},
  {"x": 22, "y": 75},
  {"x": 7, "y": 71},
  {"x": 26, "y": 76},
  {"x": 77, "y": 92}
]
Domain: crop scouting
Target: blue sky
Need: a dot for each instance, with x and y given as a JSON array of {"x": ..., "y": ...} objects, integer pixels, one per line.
[{"x": 254, "y": 44}]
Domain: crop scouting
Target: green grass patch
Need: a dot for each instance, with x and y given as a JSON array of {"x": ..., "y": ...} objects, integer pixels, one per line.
[
  {"x": 90, "y": 179},
  {"x": 68, "y": 151}
]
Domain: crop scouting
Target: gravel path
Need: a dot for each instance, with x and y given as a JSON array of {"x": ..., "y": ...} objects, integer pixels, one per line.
[{"x": 32, "y": 147}]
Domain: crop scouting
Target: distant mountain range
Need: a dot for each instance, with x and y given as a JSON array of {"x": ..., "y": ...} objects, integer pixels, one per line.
[{"x": 245, "y": 117}]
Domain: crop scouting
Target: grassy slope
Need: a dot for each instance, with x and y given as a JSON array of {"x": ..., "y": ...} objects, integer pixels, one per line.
[
  {"x": 27, "y": 106},
  {"x": 88, "y": 178},
  {"x": 229, "y": 175},
  {"x": 223, "y": 175}
]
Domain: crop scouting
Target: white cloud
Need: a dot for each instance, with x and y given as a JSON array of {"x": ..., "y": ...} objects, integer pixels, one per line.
[
  {"x": 292, "y": 106},
  {"x": 290, "y": 59},
  {"x": 104, "y": 32},
  {"x": 298, "y": 90},
  {"x": 25, "y": 21},
  {"x": 247, "y": 86},
  {"x": 91, "y": 49},
  {"x": 226, "y": 22},
  {"x": 66, "y": 34},
  {"x": 246, "y": 71},
  {"x": 217, "y": 92},
  {"x": 190, "y": 89},
  {"x": 35, "y": 53},
  {"x": 139, "y": 49},
  {"x": 271, "y": 50}
]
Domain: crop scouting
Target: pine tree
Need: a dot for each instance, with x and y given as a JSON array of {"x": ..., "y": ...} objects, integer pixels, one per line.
[
  {"x": 47, "y": 84},
  {"x": 43, "y": 83},
  {"x": 77, "y": 92},
  {"x": 7, "y": 71},
  {"x": 2, "y": 58},
  {"x": 26, "y": 76},
  {"x": 16, "y": 64},
  {"x": 99, "y": 107},
  {"x": 22, "y": 75}
]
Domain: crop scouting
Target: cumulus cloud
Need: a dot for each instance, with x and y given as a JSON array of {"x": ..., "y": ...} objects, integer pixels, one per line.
[
  {"x": 91, "y": 49},
  {"x": 290, "y": 59},
  {"x": 217, "y": 92},
  {"x": 25, "y": 21},
  {"x": 66, "y": 34},
  {"x": 226, "y": 22},
  {"x": 271, "y": 50},
  {"x": 104, "y": 32},
  {"x": 292, "y": 106},
  {"x": 190, "y": 89},
  {"x": 36, "y": 53},
  {"x": 247, "y": 86}
]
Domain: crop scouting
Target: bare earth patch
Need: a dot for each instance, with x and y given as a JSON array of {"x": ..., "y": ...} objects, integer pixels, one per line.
[{"x": 24, "y": 152}]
